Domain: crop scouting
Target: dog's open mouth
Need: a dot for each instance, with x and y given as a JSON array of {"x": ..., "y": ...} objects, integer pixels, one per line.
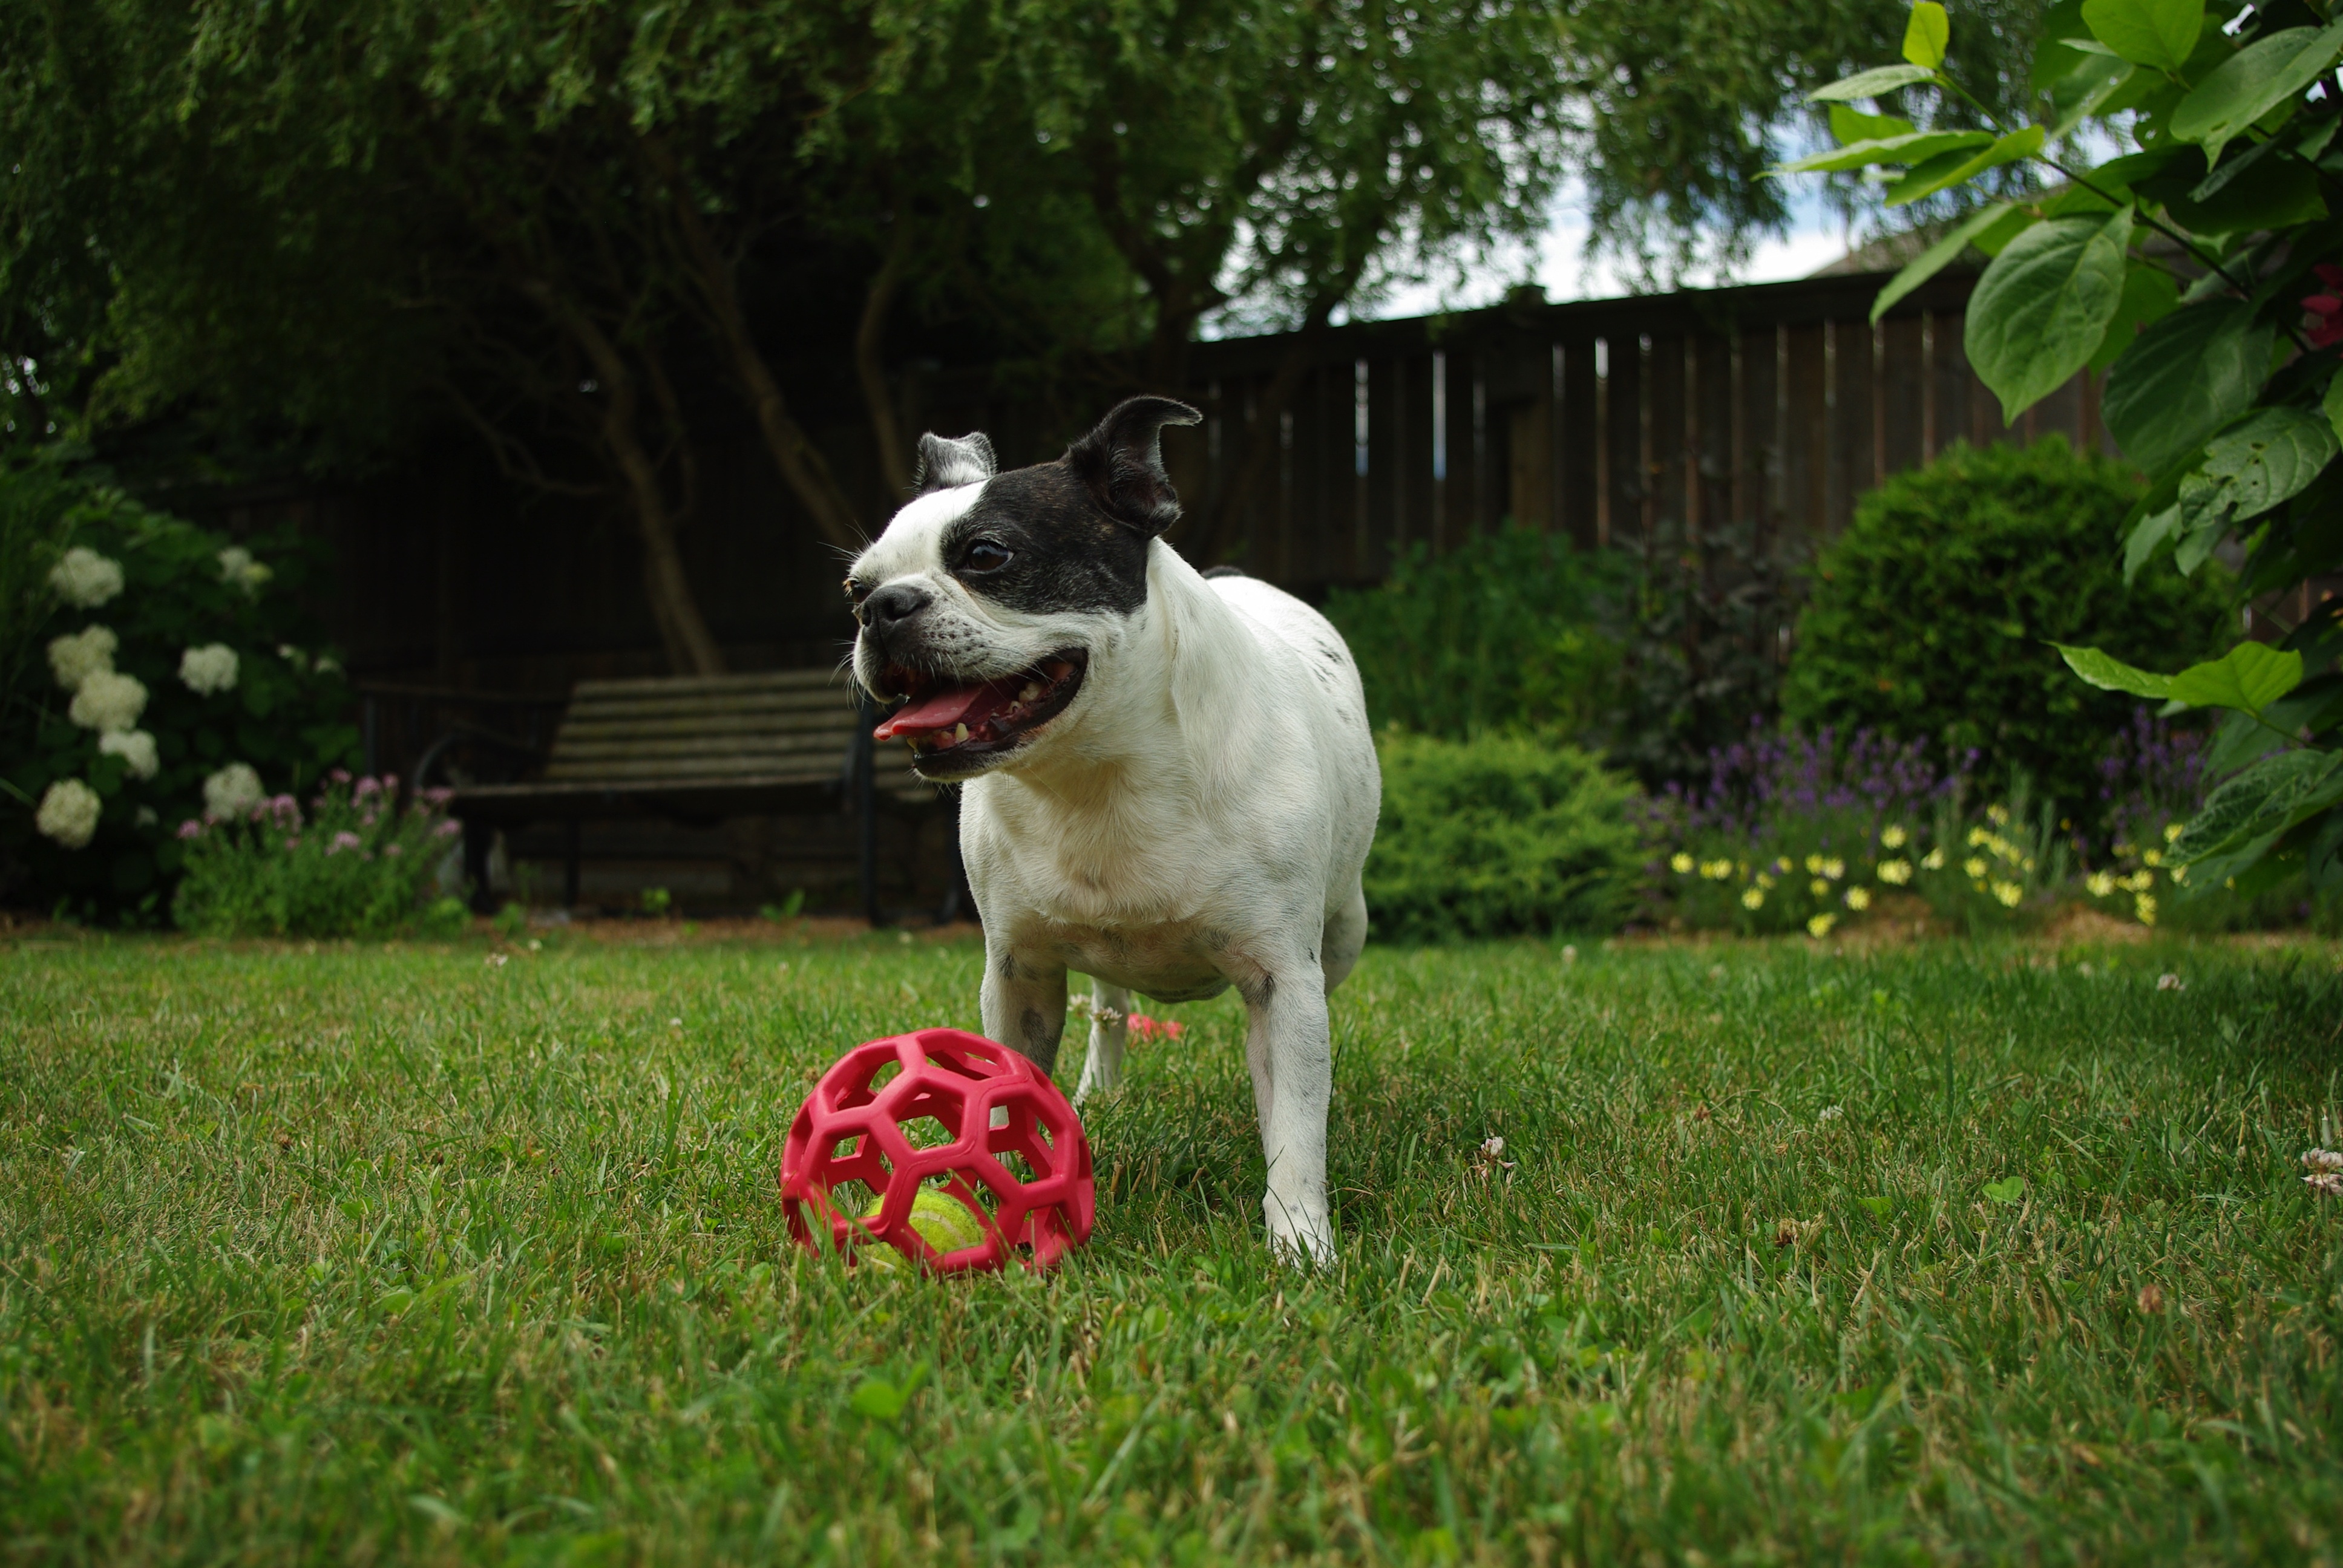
[{"x": 951, "y": 726}]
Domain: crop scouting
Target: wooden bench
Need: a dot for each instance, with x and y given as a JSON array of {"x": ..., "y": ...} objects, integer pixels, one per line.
[{"x": 697, "y": 749}]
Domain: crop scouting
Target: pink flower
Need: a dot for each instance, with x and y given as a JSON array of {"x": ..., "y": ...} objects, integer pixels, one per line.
[
  {"x": 191, "y": 829},
  {"x": 392, "y": 851},
  {"x": 390, "y": 780},
  {"x": 1151, "y": 1029},
  {"x": 437, "y": 797},
  {"x": 291, "y": 843},
  {"x": 339, "y": 775},
  {"x": 2326, "y": 309},
  {"x": 342, "y": 842},
  {"x": 447, "y": 830},
  {"x": 366, "y": 787}
]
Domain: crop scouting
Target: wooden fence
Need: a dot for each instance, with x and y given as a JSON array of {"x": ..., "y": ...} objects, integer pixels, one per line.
[{"x": 1772, "y": 407}]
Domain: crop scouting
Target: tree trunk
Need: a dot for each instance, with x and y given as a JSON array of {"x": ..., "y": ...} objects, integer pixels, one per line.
[
  {"x": 690, "y": 646},
  {"x": 804, "y": 467},
  {"x": 894, "y": 456}
]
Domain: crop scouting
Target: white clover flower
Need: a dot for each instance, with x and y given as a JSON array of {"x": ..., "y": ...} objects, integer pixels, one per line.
[
  {"x": 1830, "y": 1113},
  {"x": 85, "y": 653},
  {"x": 69, "y": 812},
  {"x": 84, "y": 578},
  {"x": 237, "y": 567},
  {"x": 2326, "y": 1183},
  {"x": 1892, "y": 837},
  {"x": 231, "y": 792},
  {"x": 136, "y": 748},
  {"x": 208, "y": 670},
  {"x": 105, "y": 701},
  {"x": 1858, "y": 899},
  {"x": 2321, "y": 1160},
  {"x": 1895, "y": 873},
  {"x": 2170, "y": 982}
]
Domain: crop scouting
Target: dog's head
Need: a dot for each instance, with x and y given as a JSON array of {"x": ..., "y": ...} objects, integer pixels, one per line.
[{"x": 992, "y": 600}]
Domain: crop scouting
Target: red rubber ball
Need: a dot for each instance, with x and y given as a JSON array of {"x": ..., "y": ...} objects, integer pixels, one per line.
[{"x": 1013, "y": 1152}]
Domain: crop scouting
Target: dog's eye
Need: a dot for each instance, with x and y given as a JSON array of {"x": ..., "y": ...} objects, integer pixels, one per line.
[
  {"x": 856, "y": 592},
  {"x": 985, "y": 556}
]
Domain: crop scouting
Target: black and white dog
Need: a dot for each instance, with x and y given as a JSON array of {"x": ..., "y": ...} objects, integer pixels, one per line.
[{"x": 1171, "y": 783}]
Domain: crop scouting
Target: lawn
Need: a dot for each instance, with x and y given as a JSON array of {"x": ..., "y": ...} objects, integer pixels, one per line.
[{"x": 1943, "y": 1253}]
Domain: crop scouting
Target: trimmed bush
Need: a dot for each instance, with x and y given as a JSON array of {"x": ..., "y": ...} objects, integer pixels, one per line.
[
  {"x": 1496, "y": 835},
  {"x": 1929, "y": 618},
  {"x": 1502, "y": 632}
]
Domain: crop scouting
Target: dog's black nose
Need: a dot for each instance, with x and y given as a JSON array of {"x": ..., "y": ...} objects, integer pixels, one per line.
[{"x": 891, "y": 606}]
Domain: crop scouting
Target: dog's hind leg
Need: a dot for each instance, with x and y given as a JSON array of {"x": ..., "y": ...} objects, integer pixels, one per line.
[
  {"x": 1346, "y": 934},
  {"x": 1110, "y": 1028}
]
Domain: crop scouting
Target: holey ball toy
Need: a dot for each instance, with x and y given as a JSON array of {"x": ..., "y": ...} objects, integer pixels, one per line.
[{"x": 967, "y": 1153}]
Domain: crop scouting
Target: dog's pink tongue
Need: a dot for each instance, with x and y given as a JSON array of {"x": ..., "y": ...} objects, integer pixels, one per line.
[{"x": 944, "y": 709}]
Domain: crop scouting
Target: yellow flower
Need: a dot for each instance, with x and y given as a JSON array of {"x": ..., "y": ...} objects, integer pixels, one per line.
[
  {"x": 2100, "y": 883},
  {"x": 1833, "y": 868},
  {"x": 1716, "y": 871},
  {"x": 1765, "y": 879},
  {"x": 1781, "y": 866},
  {"x": 1892, "y": 837},
  {"x": 2126, "y": 851},
  {"x": 1999, "y": 815},
  {"x": 1859, "y": 898},
  {"x": 1979, "y": 836},
  {"x": 2145, "y": 907},
  {"x": 1813, "y": 865},
  {"x": 2151, "y": 856},
  {"x": 1975, "y": 868},
  {"x": 2172, "y": 832},
  {"x": 2009, "y": 893},
  {"x": 1680, "y": 862},
  {"x": 1819, "y": 888},
  {"x": 2179, "y": 874},
  {"x": 1895, "y": 873},
  {"x": 1752, "y": 897},
  {"x": 1820, "y": 925},
  {"x": 1933, "y": 860}
]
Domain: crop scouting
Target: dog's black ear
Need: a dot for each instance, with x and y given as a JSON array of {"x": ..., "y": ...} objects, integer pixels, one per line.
[
  {"x": 945, "y": 464},
  {"x": 1121, "y": 462}
]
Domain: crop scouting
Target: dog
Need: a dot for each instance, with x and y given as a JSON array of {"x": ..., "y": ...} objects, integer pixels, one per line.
[{"x": 1170, "y": 783}]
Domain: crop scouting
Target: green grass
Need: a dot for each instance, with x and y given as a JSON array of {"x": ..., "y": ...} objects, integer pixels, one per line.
[{"x": 364, "y": 1254}]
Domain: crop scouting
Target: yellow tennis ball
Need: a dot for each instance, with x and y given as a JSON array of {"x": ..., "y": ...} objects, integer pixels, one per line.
[{"x": 943, "y": 1221}]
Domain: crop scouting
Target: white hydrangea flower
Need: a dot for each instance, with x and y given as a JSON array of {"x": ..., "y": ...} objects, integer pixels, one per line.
[
  {"x": 145, "y": 817},
  {"x": 69, "y": 813},
  {"x": 209, "y": 669},
  {"x": 136, "y": 748},
  {"x": 237, "y": 567},
  {"x": 84, "y": 578},
  {"x": 328, "y": 665},
  {"x": 84, "y": 654},
  {"x": 107, "y": 701},
  {"x": 231, "y": 792}
]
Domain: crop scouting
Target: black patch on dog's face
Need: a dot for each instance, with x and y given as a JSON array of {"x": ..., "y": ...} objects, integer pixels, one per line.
[{"x": 1062, "y": 554}]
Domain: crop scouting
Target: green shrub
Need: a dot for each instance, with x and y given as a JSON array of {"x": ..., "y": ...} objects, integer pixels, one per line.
[
  {"x": 354, "y": 865},
  {"x": 1504, "y": 631},
  {"x": 1498, "y": 834},
  {"x": 155, "y": 668},
  {"x": 1929, "y": 618}
]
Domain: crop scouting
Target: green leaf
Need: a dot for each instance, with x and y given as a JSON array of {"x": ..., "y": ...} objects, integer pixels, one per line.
[
  {"x": 2149, "y": 295},
  {"x": 2333, "y": 405},
  {"x": 2111, "y": 674},
  {"x": 2261, "y": 802},
  {"x": 2042, "y": 308},
  {"x": 1926, "y": 35},
  {"x": 2256, "y": 79},
  {"x": 2184, "y": 379},
  {"x": 2082, "y": 91},
  {"x": 1950, "y": 169},
  {"x": 2009, "y": 1193},
  {"x": 2269, "y": 458},
  {"x": 1917, "y": 148},
  {"x": 2160, "y": 33},
  {"x": 1849, "y": 126},
  {"x": 1939, "y": 255},
  {"x": 2249, "y": 677},
  {"x": 2151, "y": 534},
  {"x": 1870, "y": 83}
]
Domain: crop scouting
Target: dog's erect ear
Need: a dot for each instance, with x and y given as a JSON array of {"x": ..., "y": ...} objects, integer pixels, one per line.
[
  {"x": 1121, "y": 462},
  {"x": 945, "y": 464}
]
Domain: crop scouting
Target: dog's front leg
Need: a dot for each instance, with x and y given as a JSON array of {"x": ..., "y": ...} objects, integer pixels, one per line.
[
  {"x": 1024, "y": 1002},
  {"x": 1289, "y": 1048}
]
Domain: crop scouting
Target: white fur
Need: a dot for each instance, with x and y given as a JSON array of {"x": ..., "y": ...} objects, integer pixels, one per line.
[{"x": 1197, "y": 818}]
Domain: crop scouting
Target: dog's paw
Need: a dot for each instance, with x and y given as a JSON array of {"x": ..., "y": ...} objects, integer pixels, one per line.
[{"x": 1301, "y": 1234}]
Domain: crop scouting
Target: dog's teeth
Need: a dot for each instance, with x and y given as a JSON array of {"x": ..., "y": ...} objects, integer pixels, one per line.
[
  {"x": 959, "y": 733},
  {"x": 1032, "y": 690}
]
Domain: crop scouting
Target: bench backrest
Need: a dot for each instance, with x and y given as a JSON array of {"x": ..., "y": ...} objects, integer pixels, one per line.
[{"x": 783, "y": 727}]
